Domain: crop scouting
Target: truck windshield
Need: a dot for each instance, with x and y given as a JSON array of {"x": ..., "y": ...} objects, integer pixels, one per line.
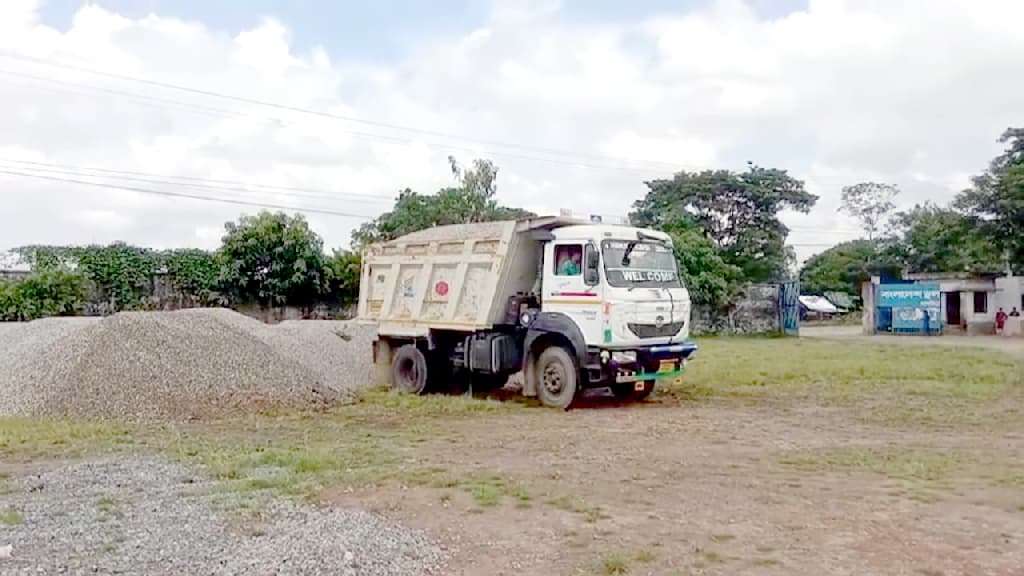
[{"x": 629, "y": 263}]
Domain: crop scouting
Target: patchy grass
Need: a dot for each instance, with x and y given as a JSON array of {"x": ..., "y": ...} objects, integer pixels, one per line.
[
  {"x": 591, "y": 514},
  {"x": 618, "y": 562},
  {"x": 106, "y": 505},
  {"x": 899, "y": 385},
  {"x": 33, "y": 438},
  {"x": 758, "y": 366},
  {"x": 379, "y": 401},
  {"x": 11, "y": 517},
  {"x": 896, "y": 463},
  {"x": 615, "y": 564}
]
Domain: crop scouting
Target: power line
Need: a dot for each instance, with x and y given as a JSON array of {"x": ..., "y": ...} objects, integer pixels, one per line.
[
  {"x": 183, "y": 195},
  {"x": 151, "y": 178},
  {"x": 257, "y": 102},
  {"x": 220, "y": 112},
  {"x": 259, "y": 204},
  {"x": 190, "y": 181}
]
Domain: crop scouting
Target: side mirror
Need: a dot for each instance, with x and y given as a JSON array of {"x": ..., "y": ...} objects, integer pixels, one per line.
[{"x": 592, "y": 265}]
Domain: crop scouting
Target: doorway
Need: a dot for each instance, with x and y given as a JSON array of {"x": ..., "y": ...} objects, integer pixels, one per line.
[{"x": 953, "y": 309}]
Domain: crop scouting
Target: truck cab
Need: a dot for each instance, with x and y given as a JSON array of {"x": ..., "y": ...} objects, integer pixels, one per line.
[
  {"x": 570, "y": 304},
  {"x": 620, "y": 288}
]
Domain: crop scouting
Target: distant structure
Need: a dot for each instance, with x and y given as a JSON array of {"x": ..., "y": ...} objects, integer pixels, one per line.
[{"x": 940, "y": 304}]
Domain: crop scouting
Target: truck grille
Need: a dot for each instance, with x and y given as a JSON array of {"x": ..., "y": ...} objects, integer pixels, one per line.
[{"x": 654, "y": 331}]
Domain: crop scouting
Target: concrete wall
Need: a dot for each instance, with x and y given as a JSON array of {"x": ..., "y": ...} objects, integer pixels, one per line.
[
  {"x": 757, "y": 312},
  {"x": 1009, "y": 293}
]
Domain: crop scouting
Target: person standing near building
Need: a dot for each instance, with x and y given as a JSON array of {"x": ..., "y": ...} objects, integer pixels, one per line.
[
  {"x": 1014, "y": 313},
  {"x": 1001, "y": 320}
]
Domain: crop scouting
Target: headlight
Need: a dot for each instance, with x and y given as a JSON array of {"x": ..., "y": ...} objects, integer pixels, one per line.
[{"x": 625, "y": 356}]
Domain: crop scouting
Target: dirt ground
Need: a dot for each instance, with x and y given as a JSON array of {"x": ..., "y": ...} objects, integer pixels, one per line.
[
  {"x": 1008, "y": 345},
  {"x": 789, "y": 456},
  {"x": 667, "y": 490}
]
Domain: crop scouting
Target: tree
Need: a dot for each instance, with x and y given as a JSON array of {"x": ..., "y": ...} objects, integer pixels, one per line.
[
  {"x": 737, "y": 212},
  {"x": 869, "y": 202},
  {"x": 844, "y": 267},
  {"x": 996, "y": 199},
  {"x": 709, "y": 279},
  {"x": 343, "y": 272},
  {"x": 45, "y": 292},
  {"x": 472, "y": 201},
  {"x": 936, "y": 239},
  {"x": 272, "y": 259}
]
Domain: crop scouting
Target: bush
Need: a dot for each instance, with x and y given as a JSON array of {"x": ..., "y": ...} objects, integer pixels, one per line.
[{"x": 52, "y": 292}]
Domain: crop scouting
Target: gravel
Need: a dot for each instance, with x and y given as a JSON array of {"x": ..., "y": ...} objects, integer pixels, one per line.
[
  {"x": 143, "y": 516},
  {"x": 178, "y": 365}
]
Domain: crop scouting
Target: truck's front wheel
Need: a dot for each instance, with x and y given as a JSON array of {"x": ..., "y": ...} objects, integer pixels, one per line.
[
  {"x": 409, "y": 370},
  {"x": 557, "y": 377}
]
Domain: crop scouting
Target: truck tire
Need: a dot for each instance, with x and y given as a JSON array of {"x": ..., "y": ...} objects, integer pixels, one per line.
[
  {"x": 557, "y": 377},
  {"x": 629, "y": 391},
  {"x": 409, "y": 370}
]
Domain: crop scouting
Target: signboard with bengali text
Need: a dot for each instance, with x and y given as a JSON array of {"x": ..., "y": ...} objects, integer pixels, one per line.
[{"x": 915, "y": 307}]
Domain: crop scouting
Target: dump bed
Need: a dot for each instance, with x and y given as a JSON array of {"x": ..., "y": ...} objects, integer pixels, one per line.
[{"x": 456, "y": 277}]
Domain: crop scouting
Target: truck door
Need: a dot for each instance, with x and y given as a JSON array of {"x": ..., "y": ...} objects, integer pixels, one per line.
[{"x": 568, "y": 290}]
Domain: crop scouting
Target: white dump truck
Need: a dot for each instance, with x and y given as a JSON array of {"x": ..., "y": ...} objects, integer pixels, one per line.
[{"x": 570, "y": 304}]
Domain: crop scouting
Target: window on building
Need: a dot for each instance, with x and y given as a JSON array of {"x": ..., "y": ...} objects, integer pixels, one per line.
[
  {"x": 568, "y": 260},
  {"x": 981, "y": 302}
]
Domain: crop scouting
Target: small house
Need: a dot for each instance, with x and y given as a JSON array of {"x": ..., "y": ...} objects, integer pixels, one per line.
[{"x": 962, "y": 303}]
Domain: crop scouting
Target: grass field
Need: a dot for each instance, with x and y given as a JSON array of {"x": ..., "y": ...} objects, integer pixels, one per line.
[{"x": 771, "y": 456}]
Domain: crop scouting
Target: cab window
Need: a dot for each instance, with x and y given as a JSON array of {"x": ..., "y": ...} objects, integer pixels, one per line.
[{"x": 568, "y": 260}]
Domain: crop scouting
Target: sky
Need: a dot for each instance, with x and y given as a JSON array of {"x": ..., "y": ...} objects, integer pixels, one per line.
[{"x": 332, "y": 107}]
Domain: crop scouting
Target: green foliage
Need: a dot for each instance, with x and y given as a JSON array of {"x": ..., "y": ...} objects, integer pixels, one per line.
[
  {"x": 709, "y": 278},
  {"x": 272, "y": 259},
  {"x": 195, "y": 273},
  {"x": 996, "y": 198},
  {"x": 119, "y": 273},
  {"x": 343, "y": 271},
  {"x": 869, "y": 202},
  {"x": 935, "y": 239},
  {"x": 737, "y": 212},
  {"x": 843, "y": 268},
  {"x": 49, "y": 292},
  {"x": 472, "y": 201}
]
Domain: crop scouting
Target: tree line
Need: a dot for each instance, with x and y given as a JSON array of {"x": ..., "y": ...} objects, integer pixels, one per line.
[
  {"x": 981, "y": 231},
  {"x": 725, "y": 225}
]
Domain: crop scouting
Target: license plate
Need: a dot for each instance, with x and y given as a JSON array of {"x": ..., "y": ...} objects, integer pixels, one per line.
[{"x": 667, "y": 366}]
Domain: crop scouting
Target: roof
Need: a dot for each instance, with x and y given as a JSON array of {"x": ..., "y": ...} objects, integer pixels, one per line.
[
  {"x": 609, "y": 231},
  {"x": 925, "y": 276},
  {"x": 566, "y": 226},
  {"x": 840, "y": 299},
  {"x": 818, "y": 304}
]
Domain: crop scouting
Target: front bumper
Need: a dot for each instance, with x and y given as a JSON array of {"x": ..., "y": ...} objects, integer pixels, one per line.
[{"x": 605, "y": 367}]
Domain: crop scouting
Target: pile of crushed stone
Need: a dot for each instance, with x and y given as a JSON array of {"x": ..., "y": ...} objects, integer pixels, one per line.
[
  {"x": 178, "y": 365},
  {"x": 129, "y": 515}
]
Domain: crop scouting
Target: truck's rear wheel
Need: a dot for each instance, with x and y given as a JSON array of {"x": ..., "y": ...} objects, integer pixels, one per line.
[
  {"x": 629, "y": 391},
  {"x": 557, "y": 377},
  {"x": 409, "y": 370}
]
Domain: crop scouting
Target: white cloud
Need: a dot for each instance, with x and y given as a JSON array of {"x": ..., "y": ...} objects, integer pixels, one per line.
[{"x": 912, "y": 92}]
